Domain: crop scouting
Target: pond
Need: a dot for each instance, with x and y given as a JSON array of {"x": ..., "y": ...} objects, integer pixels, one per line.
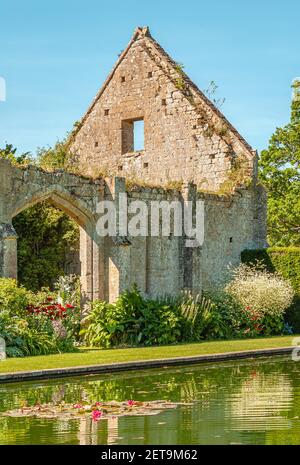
[{"x": 241, "y": 402}]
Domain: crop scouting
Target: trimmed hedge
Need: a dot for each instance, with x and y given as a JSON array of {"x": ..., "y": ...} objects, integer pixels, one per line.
[{"x": 286, "y": 261}]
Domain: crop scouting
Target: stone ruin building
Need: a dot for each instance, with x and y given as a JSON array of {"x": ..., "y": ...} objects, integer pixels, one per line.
[{"x": 150, "y": 133}]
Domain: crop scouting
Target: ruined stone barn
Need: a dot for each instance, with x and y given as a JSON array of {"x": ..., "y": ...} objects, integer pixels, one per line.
[{"x": 152, "y": 134}]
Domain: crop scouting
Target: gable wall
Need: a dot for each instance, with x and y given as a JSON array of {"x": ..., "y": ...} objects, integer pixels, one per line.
[{"x": 177, "y": 144}]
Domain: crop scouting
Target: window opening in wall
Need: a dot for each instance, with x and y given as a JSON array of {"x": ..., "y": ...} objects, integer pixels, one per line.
[
  {"x": 138, "y": 135},
  {"x": 132, "y": 135}
]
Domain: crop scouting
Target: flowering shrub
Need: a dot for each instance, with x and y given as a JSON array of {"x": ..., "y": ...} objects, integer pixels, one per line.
[
  {"x": 264, "y": 297},
  {"x": 35, "y": 324},
  {"x": 260, "y": 291},
  {"x": 65, "y": 319},
  {"x": 51, "y": 309}
]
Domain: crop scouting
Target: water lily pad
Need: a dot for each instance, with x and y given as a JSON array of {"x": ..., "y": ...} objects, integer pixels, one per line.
[{"x": 95, "y": 411}]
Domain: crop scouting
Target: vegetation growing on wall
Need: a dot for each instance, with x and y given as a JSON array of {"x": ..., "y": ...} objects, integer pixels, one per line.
[{"x": 237, "y": 176}]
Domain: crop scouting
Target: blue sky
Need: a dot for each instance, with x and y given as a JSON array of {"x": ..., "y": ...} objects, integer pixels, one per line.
[{"x": 55, "y": 55}]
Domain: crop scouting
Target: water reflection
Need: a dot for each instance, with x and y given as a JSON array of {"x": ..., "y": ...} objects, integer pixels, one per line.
[
  {"x": 245, "y": 402},
  {"x": 262, "y": 396}
]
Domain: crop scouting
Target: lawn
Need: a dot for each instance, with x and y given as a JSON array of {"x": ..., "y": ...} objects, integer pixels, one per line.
[{"x": 98, "y": 356}]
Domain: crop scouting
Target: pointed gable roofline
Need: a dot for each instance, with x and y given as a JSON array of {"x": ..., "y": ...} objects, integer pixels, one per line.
[{"x": 189, "y": 89}]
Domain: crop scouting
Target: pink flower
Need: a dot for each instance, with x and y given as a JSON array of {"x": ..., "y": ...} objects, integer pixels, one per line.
[
  {"x": 97, "y": 404},
  {"x": 96, "y": 415},
  {"x": 77, "y": 406},
  {"x": 130, "y": 403}
]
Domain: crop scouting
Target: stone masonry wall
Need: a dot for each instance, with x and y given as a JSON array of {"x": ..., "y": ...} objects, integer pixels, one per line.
[
  {"x": 179, "y": 141},
  {"x": 158, "y": 265},
  {"x": 232, "y": 224}
]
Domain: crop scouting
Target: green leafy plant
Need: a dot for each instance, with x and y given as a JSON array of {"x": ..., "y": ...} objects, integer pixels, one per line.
[
  {"x": 131, "y": 321},
  {"x": 35, "y": 324},
  {"x": 13, "y": 298}
]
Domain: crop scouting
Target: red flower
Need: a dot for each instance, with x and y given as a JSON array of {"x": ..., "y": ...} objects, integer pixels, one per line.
[{"x": 69, "y": 306}]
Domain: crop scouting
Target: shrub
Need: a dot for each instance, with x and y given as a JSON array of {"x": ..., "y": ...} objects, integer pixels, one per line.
[
  {"x": 286, "y": 262},
  {"x": 202, "y": 318},
  {"x": 264, "y": 292},
  {"x": 264, "y": 296},
  {"x": 23, "y": 338},
  {"x": 282, "y": 260},
  {"x": 13, "y": 298},
  {"x": 134, "y": 320},
  {"x": 34, "y": 324},
  {"x": 131, "y": 321}
]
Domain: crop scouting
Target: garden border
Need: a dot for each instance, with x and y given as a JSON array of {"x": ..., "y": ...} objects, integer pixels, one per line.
[{"x": 138, "y": 365}]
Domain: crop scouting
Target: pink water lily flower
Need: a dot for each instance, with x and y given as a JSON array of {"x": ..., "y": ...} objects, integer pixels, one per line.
[
  {"x": 97, "y": 404},
  {"x": 96, "y": 415},
  {"x": 130, "y": 403},
  {"x": 77, "y": 406}
]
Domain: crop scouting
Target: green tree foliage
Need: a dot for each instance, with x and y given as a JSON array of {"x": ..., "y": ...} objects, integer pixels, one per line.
[
  {"x": 9, "y": 153},
  {"x": 51, "y": 158},
  {"x": 280, "y": 172},
  {"x": 47, "y": 236}
]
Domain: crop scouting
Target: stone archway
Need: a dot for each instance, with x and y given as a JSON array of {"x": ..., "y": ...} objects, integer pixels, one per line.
[{"x": 21, "y": 188}]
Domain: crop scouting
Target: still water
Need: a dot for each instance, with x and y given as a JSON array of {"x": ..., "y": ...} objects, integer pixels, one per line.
[{"x": 244, "y": 402}]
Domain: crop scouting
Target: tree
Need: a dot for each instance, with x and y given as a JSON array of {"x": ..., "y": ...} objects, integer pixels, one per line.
[
  {"x": 9, "y": 153},
  {"x": 280, "y": 172},
  {"x": 47, "y": 238}
]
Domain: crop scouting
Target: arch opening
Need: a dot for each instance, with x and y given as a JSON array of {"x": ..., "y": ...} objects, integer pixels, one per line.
[{"x": 72, "y": 217}]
